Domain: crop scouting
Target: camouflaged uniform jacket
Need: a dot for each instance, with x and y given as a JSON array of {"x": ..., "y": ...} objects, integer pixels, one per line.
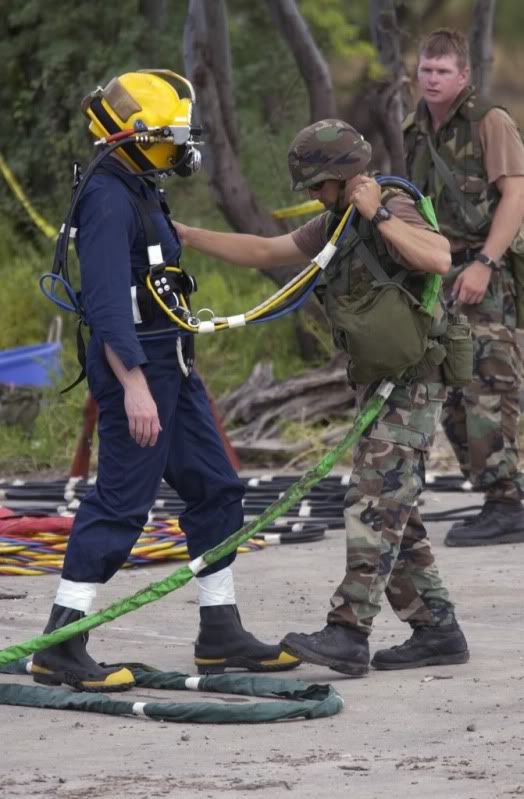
[{"x": 457, "y": 142}]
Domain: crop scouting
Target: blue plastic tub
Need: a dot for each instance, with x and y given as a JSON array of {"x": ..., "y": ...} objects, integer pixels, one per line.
[{"x": 38, "y": 365}]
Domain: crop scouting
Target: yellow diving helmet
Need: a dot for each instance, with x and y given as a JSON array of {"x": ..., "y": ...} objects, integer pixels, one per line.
[{"x": 146, "y": 106}]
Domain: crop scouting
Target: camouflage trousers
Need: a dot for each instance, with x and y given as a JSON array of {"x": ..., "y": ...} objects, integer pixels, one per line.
[
  {"x": 481, "y": 420},
  {"x": 388, "y": 550}
]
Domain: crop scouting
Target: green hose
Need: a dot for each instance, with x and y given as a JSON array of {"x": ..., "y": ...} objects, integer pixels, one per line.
[
  {"x": 184, "y": 574},
  {"x": 293, "y": 494}
]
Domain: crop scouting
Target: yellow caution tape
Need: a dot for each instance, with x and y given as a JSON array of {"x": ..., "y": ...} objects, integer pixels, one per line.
[
  {"x": 302, "y": 209},
  {"x": 309, "y": 207},
  {"x": 47, "y": 229}
]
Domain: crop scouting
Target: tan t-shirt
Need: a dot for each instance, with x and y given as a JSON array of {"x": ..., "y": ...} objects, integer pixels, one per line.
[
  {"x": 501, "y": 145},
  {"x": 311, "y": 237},
  {"x": 502, "y": 150}
]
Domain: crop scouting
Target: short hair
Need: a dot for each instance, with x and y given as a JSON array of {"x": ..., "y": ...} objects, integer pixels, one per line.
[{"x": 444, "y": 41}]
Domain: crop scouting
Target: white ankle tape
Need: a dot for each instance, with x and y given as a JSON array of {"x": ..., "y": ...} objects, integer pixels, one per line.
[
  {"x": 77, "y": 596},
  {"x": 216, "y": 589}
]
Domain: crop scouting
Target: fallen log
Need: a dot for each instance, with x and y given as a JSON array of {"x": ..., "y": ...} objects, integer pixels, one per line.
[{"x": 258, "y": 411}]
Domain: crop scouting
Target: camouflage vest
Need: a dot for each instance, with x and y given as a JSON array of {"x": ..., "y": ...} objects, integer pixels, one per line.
[
  {"x": 377, "y": 320},
  {"x": 457, "y": 142}
]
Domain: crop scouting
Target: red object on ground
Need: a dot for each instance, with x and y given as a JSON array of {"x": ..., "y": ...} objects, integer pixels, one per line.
[
  {"x": 11, "y": 524},
  {"x": 80, "y": 465},
  {"x": 82, "y": 457}
]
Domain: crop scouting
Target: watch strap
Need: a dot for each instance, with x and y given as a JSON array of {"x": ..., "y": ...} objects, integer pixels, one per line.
[
  {"x": 382, "y": 214},
  {"x": 487, "y": 261}
]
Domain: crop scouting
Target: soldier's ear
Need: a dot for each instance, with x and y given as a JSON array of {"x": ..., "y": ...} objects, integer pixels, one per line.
[{"x": 465, "y": 75}]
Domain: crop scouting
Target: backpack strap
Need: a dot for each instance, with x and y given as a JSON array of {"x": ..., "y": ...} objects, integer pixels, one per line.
[
  {"x": 472, "y": 215},
  {"x": 372, "y": 264}
]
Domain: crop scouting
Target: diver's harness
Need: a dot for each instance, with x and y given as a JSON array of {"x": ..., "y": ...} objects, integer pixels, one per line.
[{"x": 171, "y": 283}]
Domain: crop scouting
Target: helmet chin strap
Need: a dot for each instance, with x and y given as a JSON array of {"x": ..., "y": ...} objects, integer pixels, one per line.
[
  {"x": 188, "y": 163},
  {"x": 341, "y": 203}
]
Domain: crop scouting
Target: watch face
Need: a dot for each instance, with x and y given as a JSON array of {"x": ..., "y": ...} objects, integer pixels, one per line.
[{"x": 382, "y": 215}]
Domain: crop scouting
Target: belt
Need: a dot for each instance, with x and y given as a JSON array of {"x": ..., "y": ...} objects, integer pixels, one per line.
[{"x": 464, "y": 256}]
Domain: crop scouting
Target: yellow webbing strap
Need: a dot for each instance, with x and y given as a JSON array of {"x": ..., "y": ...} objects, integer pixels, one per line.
[
  {"x": 44, "y": 227},
  {"x": 309, "y": 207}
]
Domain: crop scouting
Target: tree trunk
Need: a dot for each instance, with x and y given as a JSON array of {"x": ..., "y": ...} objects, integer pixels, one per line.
[
  {"x": 232, "y": 192},
  {"x": 205, "y": 43},
  {"x": 394, "y": 100},
  {"x": 309, "y": 59},
  {"x": 481, "y": 44}
]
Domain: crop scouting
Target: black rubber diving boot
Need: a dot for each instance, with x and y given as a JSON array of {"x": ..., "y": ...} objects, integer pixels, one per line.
[
  {"x": 69, "y": 662},
  {"x": 444, "y": 645},
  {"x": 223, "y": 643},
  {"x": 337, "y": 646},
  {"x": 499, "y": 522}
]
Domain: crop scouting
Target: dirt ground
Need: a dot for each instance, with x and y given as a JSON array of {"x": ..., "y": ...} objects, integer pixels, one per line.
[{"x": 451, "y": 732}]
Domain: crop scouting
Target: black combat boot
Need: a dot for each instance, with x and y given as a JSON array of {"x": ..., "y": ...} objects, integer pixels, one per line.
[
  {"x": 337, "y": 646},
  {"x": 428, "y": 646},
  {"x": 499, "y": 522},
  {"x": 223, "y": 643},
  {"x": 69, "y": 662}
]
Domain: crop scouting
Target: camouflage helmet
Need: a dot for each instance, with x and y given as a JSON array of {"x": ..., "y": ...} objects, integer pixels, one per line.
[{"x": 327, "y": 150}]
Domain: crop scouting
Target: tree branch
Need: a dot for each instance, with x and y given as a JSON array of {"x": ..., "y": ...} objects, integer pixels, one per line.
[
  {"x": 309, "y": 59},
  {"x": 394, "y": 99},
  {"x": 481, "y": 44}
]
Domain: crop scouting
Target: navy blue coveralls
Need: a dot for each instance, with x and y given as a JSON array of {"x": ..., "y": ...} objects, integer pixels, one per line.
[{"x": 189, "y": 453}]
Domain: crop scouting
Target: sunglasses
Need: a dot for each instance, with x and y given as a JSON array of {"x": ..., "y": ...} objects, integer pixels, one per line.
[{"x": 317, "y": 186}]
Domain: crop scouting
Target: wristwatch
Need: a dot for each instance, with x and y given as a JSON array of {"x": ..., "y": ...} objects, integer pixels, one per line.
[
  {"x": 382, "y": 215},
  {"x": 487, "y": 261}
]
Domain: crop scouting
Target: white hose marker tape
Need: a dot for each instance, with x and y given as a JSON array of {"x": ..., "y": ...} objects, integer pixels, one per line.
[
  {"x": 385, "y": 389},
  {"x": 305, "y": 509},
  {"x": 72, "y": 231},
  {"x": 154, "y": 255},
  {"x": 69, "y": 490},
  {"x": 28, "y": 666},
  {"x": 138, "y": 708},
  {"x": 197, "y": 565},
  {"x": 297, "y": 527},
  {"x": 272, "y": 538},
  {"x": 345, "y": 479},
  {"x": 236, "y": 321},
  {"x": 193, "y": 683},
  {"x": 206, "y": 327},
  {"x": 325, "y": 255},
  {"x": 253, "y": 482}
]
